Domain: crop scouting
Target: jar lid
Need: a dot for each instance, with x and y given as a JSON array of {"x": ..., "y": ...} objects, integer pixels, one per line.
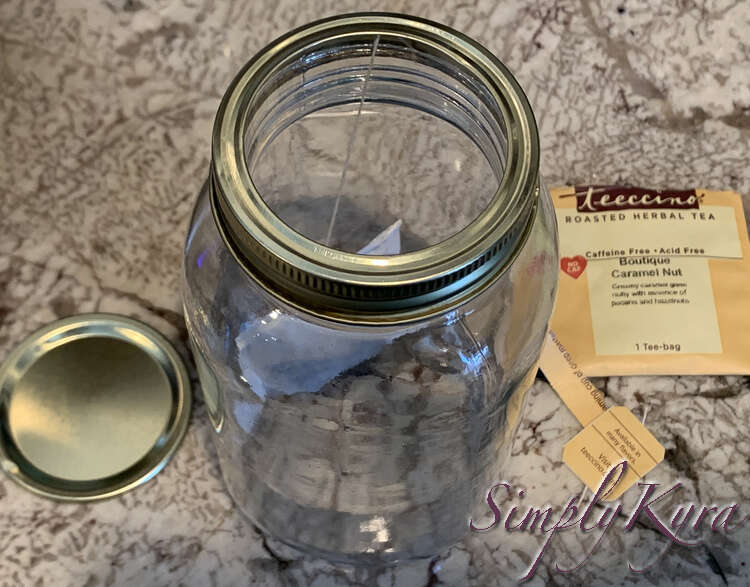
[
  {"x": 374, "y": 289},
  {"x": 91, "y": 406}
]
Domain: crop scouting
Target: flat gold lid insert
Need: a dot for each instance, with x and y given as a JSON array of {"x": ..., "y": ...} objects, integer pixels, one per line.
[{"x": 91, "y": 406}]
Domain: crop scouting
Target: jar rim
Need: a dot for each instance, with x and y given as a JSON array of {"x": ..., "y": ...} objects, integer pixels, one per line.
[{"x": 374, "y": 289}]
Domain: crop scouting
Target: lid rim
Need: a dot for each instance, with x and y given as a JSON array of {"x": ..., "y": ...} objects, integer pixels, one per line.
[
  {"x": 357, "y": 313},
  {"x": 285, "y": 257}
]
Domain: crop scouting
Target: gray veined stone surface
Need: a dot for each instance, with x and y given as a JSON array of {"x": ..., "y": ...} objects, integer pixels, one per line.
[{"x": 106, "y": 111}]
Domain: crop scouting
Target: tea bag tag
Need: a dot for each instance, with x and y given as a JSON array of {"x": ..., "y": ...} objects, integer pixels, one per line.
[
  {"x": 609, "y": 437},
  {"x": 613, "y": 437}
]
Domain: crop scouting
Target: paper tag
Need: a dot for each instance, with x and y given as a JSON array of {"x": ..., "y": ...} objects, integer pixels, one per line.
[
  {"x": 609, "y": 435},
  {"x": 574, "y": 388},
  {"x": 614, "y": 436}
]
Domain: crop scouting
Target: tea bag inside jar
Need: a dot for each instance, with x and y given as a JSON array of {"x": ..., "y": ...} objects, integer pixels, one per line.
[{"x": 270, "y": 348}]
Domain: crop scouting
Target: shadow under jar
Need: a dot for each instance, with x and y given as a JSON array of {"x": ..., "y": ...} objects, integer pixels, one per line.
[{"x": 363, "y": 404}]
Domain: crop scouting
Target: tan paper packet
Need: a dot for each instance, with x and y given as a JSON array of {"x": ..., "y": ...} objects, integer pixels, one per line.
[{"x": 653, "y": 282}]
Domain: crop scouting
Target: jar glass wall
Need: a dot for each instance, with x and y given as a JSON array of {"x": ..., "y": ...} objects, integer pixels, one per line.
[{"x": 364, "y": 403}]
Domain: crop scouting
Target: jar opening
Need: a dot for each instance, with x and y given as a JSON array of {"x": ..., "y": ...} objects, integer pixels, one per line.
[
  {"x": 351, "y": 134},
  {"x": 346, "y": 125}
]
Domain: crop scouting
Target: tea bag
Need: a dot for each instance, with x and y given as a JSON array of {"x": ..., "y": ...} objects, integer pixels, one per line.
[{"x": 303, "y": 357}]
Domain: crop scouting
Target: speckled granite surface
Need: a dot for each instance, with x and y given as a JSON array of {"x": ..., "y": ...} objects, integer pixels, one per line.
[{"x": 105, "y": 111}]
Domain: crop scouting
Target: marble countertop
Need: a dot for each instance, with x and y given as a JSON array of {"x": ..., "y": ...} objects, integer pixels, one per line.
[{"x": 106, "y": 111}]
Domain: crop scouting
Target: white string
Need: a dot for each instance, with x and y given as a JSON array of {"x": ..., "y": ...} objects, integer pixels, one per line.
[
  {"x": 340, "y": 189},
  {"x": 643, "y": 422},
  {"x": 580, "y": 499}
]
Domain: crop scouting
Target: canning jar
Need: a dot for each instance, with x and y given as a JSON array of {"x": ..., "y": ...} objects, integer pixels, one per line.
[{"x": 368, "y": 277}]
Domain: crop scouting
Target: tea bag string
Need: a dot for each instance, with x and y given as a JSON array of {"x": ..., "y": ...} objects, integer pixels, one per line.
[{"x": 352, "y": 137}]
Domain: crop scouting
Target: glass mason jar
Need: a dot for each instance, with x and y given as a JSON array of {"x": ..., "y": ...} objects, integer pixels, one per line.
[{"x": 368, "y": 277}]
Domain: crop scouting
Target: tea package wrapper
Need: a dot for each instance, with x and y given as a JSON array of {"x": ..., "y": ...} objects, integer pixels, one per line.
[{"x": 653, "y": 281}]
